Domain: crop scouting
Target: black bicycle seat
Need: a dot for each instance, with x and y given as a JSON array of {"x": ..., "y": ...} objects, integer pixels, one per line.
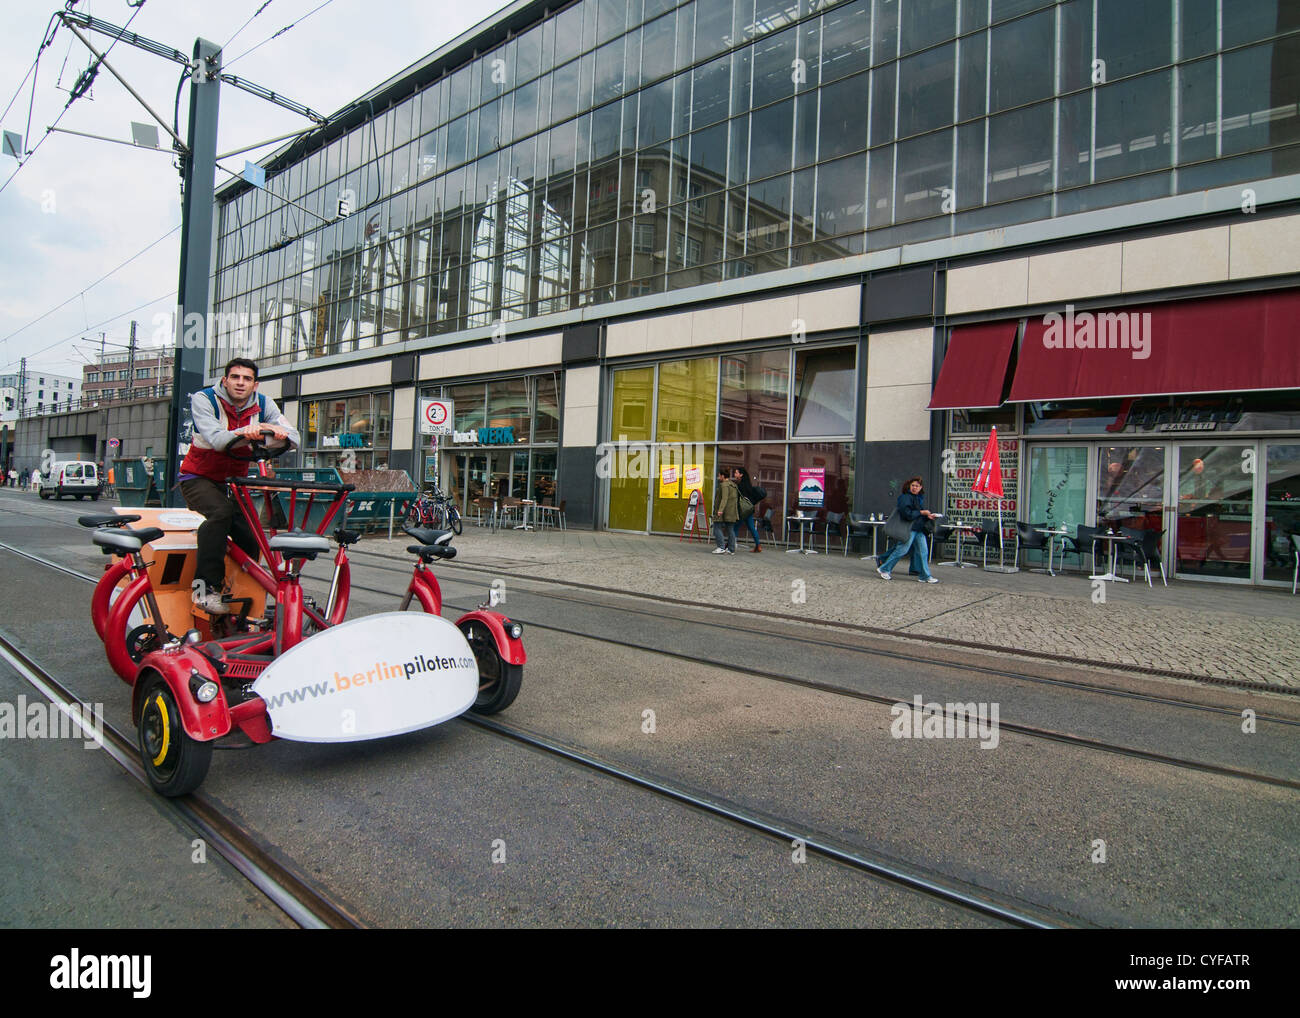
[
  {"x": 429, "y": 535},
  {"x": 106, "y": 520},
  {"x": 429, "y": 552},
  {"x": 344, "y": 536}
]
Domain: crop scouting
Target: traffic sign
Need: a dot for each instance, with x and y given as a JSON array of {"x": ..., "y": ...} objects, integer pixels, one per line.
[{"x": 437, "y": 416}]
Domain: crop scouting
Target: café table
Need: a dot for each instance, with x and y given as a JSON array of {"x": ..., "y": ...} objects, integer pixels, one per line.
[
  {"x": 799, "y": 520},
  {"x": 875, "y": 526},
  {"x": 958, "y": 529},
  {"x": 1052, "y": 537},
  {"x": 1114, "y": 540},
  {"x": 526, "y": 516}
]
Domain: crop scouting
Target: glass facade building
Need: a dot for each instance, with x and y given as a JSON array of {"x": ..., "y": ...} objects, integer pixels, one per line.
[
  {"x": 619, "y": 148},
  {"x": 816, "y": 239}
]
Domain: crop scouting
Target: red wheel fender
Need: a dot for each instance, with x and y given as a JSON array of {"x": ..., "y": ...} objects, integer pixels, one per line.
[
  {"x": 203, "y": 721},
  {"x": 115, "y": 628},
  {"x": 511, "y": 650},
  {"x": 99, "y": 605}
]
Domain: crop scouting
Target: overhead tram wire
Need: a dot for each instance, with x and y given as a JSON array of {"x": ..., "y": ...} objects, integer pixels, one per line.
[
  {"x": 226, "y": 65},
  {"x": 82, "y": 291},
  {"x": 90, "y": 328},
  {"x": 246, "y": 24},
  {"x": 73, "y": 98}
]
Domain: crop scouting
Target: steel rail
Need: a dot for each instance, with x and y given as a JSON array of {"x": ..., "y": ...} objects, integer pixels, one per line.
[{"x": 291, "y": 892}]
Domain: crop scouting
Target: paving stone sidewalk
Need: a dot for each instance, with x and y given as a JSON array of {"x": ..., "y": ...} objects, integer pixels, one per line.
[{"x": 1203, "y": 629}]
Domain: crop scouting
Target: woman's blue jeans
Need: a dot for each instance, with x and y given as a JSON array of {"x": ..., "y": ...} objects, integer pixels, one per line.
[{"x": 917, "y": 544}]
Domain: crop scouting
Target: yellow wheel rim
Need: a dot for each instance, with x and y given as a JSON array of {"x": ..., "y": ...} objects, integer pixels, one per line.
[{"x": 161, "y": 707}]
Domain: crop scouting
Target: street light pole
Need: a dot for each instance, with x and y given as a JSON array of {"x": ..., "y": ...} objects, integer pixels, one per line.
[{"x": 199, "y": 171}]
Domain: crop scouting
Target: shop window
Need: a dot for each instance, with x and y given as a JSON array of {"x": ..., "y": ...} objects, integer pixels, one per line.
[
  {"x": 966, "y": 422},
  {"x": 688, "y": 394},
  {"x": 630, "y": 414},
  {"x": 825, "y": 392},
  {"x": 754, "y": 389}
]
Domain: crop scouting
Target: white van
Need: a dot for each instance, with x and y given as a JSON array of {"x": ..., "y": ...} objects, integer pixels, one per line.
[{"x": 71, "y": 477}]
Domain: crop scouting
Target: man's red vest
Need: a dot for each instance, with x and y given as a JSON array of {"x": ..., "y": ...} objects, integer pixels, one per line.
[{"x": 214, "y": 465}]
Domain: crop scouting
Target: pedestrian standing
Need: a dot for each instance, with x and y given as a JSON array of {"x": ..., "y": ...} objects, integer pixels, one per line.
[
  {"x": 911, "y": 506},
  {"x": 727, "y": 515}
]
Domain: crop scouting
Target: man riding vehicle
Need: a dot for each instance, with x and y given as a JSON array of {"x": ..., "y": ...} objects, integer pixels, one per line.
[{"x": 222, "y": 416}]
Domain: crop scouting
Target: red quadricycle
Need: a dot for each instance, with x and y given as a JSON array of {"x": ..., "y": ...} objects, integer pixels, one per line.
[{"x": 280, "y": 665}]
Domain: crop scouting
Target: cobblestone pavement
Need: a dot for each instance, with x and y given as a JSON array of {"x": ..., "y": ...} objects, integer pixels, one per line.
[{"x": 1204, "y": 629}]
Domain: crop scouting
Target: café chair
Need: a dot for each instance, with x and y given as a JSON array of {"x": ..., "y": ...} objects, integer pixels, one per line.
[
  {"x": 1295, "y": 575},
  {"x": 834, "y": 525},
  {"x": 1030, "y": 539},
  {"x": 1084, "y": 542},
  {"x": 986, "y": 533},
  {"x": 1144, "y": 551},
  {"x": 858, "y": 527}
]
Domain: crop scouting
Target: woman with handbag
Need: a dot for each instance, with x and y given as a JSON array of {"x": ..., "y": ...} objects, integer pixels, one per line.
[
  {"x": 740, "y": 476},
  {"x": 911, "y": 510}
]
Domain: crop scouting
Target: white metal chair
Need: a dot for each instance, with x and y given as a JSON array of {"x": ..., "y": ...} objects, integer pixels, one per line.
[{"x": 1295, "y": 575}]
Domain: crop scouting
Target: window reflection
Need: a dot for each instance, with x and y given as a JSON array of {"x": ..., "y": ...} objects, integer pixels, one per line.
[{"x": 479, "y": 198}]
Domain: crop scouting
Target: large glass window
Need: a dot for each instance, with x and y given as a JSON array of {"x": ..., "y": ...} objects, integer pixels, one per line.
[
  {"x": 476, "y": 199},
  {"x": 825, "y": 391}
]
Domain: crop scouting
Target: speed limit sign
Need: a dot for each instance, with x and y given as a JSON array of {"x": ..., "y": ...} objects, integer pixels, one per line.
[{"x": 436, "y": 416}]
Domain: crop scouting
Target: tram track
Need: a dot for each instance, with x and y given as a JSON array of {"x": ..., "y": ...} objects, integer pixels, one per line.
[
  {"x": 290, "y": 891},
  {"x": 976, "y": 898},
  {"x": 1031, "y": 731},
  {"x": 311, "y": 908}
]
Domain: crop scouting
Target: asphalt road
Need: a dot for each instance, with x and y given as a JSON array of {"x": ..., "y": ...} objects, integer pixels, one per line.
[{"x": 404, "y": 830}]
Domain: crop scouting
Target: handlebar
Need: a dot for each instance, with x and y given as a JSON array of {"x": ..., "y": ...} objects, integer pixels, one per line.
[{"x": 287, "y": 485}]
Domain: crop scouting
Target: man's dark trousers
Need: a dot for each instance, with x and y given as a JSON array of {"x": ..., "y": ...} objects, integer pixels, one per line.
[{"x": 222, "y": 519}]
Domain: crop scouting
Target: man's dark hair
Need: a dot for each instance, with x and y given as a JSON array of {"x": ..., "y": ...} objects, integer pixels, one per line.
[{"x": 241, "y": 362}]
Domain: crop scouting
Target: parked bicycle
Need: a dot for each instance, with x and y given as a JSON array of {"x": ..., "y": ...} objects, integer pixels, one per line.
[{"x": 434, "y": 509}]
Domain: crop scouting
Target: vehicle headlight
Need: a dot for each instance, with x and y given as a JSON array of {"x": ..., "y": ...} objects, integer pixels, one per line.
[{"x": 516, "y": 630}]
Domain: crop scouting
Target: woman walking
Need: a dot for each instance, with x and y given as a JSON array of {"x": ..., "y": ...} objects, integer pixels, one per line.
[
  {"x": 911, "y": 506},
  {"x": 743, "y": 484}
]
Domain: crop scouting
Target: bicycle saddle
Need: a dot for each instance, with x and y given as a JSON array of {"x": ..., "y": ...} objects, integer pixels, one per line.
[
  {"x": 106, "y": 520},
  {"x": 296, "y": 544},
  {"x": 429, "y": 535},
  {"x": 124, "y": 542}
]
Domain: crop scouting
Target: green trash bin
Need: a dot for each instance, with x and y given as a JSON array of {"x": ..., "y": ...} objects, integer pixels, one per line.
[{"x": 137, "y": 487}]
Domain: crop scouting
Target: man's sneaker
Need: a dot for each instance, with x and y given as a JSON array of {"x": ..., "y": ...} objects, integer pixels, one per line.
[
  {"x": 731, "y": 551},
  {"x": 883, "y": 575},
  {"x": 719, "y": 551},
  {"x": 212, "y": 604},
  {"x": 926, "y": 579}
]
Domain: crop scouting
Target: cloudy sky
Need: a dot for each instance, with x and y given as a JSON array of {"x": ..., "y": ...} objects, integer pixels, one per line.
[{"x": 79, "y": 208}]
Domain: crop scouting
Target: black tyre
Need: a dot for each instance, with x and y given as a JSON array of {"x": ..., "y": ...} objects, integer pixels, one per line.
[
  {"x": 498, "y": 682},
  {"x": 413, "y": 515},
  {"x": 454, "y": 521},
  {"x": 95, "y": 497},
  {"x": 174, "y": 763},
  {"x": 45, "y": 495}
]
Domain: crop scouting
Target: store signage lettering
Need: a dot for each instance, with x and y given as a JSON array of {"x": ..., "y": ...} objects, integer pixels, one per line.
[
  {"x": 959, "y": 500},
  {"x": 1182, "y": 417},
  {"x": 485, "y": 436},
  {"x": 347, "y": 440}
]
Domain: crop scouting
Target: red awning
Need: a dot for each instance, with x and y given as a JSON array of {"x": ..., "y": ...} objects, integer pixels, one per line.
[
  {"x": 974, "y": 371},
  {"x": 1220, "y": 344}
]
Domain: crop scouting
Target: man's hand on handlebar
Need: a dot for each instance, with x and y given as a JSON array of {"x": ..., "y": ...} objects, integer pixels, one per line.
[{"x": 254, "y": 432}]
